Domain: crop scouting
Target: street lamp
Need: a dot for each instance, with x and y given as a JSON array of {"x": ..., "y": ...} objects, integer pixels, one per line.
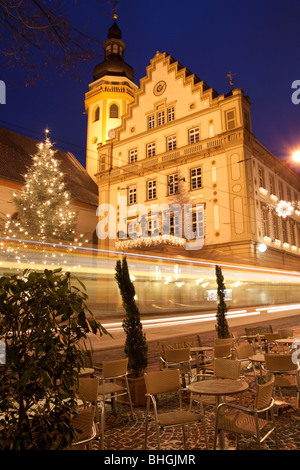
[{"x": 296, "y": 156}]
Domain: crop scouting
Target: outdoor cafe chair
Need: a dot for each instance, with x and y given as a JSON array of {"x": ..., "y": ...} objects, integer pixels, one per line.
[
  {"x": 257, "y": 422},
  {"x": 84, "y": 428},
  {"x": 113, "y": 383},
  {"x": 167, "y": 382},
  {"x": 286, "y": 333},
  {"x": 287, "y": 374},
  {"x": 270, "y": 343},
  {"x": 180, "y": 358}
]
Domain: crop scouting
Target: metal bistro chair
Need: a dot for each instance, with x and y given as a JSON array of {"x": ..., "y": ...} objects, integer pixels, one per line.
[
  {"x": 167, "y": 382},
  {"x": 180, "y": 359},
  {"x": 287, "y": 374},
  {"x": 84, "y": 428},
  {"x": 238, "y": 419},
  {"x": 113, "y": 384}
]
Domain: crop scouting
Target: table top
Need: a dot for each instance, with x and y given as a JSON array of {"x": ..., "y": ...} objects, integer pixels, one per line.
[
  {"x": 257, "y": 358},
  {"x": 287, "y": 340},
  {"x": 86, "y": 371},
  {"x": 200, "y": 348},
  {"x": 218, "y": 387}
]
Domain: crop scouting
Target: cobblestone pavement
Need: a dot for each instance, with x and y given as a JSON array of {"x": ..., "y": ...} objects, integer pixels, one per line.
[{"x": 122, "y": 433}]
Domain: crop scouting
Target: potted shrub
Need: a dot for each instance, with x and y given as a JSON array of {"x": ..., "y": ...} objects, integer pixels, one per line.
[
  {"x": 135, "y": 348},
  {"x": 222, "y": 325},
  {"x": 43, "y": 320}
]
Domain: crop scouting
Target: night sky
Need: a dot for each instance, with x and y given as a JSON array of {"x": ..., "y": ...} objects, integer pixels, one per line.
[{"x": 258, "y": 41}]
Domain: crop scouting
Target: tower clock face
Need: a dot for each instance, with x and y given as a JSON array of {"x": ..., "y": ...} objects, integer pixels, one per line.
[{"x": 159, "y": 88}]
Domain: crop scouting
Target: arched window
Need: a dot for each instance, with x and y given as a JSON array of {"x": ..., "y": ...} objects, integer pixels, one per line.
[
  {"x": 97, "y": 114},
  {"x": 114, "y": 111}
]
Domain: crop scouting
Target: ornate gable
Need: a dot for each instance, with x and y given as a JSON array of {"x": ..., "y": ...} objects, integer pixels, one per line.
[{"x": 167, "y": 81}]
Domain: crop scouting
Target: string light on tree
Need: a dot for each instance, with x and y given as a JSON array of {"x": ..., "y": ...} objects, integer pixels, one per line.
[{"x": 42, "y": 208}]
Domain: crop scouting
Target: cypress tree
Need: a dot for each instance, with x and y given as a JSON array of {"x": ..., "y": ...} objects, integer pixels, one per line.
[
  {"x": 222, "y": 325},
  {"x": 136, "y": 347}
]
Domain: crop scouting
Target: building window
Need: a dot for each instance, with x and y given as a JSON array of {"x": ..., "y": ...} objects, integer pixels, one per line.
[
  {"x": 175, "y": 225},
  {"x": 265, "y": 222},
  {"x": 132, "y": 195},
  {"x": 160, "y": 118},
  {"x": 275, "y": 228},
  {"x": 284, "y": 231},
  {"x": 280, "y": 191},
  {"x": 292, "y": 233},
  {"x": 173, "y": 184},
  {"x": 132, "y": 155},
  {"x": 230, "y": 120},
  {"x": 194, "y": 135},
  {"x": 150, "y": 149},
  {"x": 151, "y": 122},
  {"x": 153, "y": 227},
  {"x": 198, "y": 222},
  {"x": 171, "y": 143},
  {"x": 196, "y": 178},
  {"x": 151, "y": 189},
  {"x": 171, "y": 113},
  {"x": 261, "y": 177},
  {"x": 97, "y": 114},
  {"x": 289, "y": 195},
  {"x": 114, "y": 111},
  {"x": 272, "y": 184}
]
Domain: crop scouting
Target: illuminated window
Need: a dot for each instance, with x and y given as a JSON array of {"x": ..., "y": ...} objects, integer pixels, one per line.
[
  {"x": 198, "y": 222},
  {"x": 284, "y": 231},
  {"x": 280, "y": 191},
  {"x": 261, "y": 177},
  {"x": 265, "y": 222},
  {"x": 275, "y": 228},
  {"x": 272, "y": 184}
]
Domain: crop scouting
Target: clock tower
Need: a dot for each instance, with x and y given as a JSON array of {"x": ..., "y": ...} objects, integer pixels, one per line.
[{"x": 108, "y": 96}]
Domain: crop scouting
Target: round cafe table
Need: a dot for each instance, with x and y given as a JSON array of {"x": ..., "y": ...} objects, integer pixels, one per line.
[
  {"x": 287, "y": 342},
  {"x": 219, "y": 388}
]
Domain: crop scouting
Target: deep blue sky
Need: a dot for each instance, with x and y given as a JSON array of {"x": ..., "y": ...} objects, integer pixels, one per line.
[{"x": 258, "y": 40}]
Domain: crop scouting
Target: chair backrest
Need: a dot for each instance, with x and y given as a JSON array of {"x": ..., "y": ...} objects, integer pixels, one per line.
[
  {"x": 272, "y": 336},
  {"x": 280, "y": 362},
  {"x": 227, "y": 368},
  {"x": 82, "y": 423},
  {"x": 286, "y": 333},
  {"x": 243, "y": 350},
  {"x": 224, "y": 341},
  {"x": 264, "y": 394},
  {"x": 163, "y": 381},
  {"x": 259, "y": 330},
  {"x": 178, "y": 355},
  {"x": 114, "y": 368},
  {"x": 178, "y": 343},
  {"x": 222, "y": 350},
  {"x": 88, "y": 389}
]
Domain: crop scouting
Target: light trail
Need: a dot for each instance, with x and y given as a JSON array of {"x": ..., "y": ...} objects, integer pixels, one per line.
[{"x": 175, "y": 321}]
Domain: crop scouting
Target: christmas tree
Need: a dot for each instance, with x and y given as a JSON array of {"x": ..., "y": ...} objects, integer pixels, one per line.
[
  {"x": 43, "y": 206},
  {"x": 43, "y": 210}
]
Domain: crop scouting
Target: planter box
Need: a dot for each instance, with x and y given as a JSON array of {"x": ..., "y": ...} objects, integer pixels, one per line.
[{"x": 137, "y": 390}]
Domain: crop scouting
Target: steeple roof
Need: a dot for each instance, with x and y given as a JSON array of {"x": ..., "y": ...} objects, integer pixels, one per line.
[{"x": 114, "y": 63}]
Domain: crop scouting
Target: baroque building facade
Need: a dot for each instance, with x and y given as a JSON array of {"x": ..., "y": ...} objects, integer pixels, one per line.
[{"x": 178, "y": 141}]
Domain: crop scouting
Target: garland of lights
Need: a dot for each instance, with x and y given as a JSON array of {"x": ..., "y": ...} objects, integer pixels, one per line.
[{"x": 144, "y": 242}]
